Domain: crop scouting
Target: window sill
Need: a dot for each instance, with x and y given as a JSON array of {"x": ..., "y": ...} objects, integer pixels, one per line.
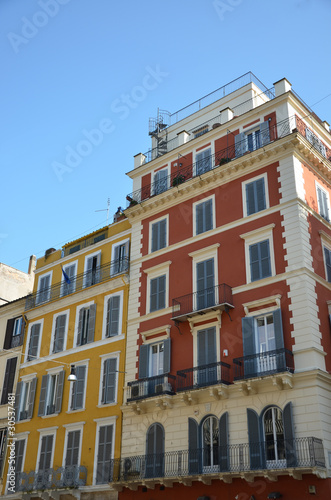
[
  {"x": 76, "y": 411},
  {"x": 26, "y": 420},
  {"x": 50, "y": 416},
  {"x": 105, "y": 405}
]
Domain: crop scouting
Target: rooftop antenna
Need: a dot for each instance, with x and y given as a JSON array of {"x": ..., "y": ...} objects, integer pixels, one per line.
[{"x": 105, "y": 209}]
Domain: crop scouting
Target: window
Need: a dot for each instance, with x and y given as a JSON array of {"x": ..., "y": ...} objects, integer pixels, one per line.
[
  {"x": 33, "y": 342},
  {"x": 203, "y": 161},
  {"x": 158, "y": 235},
  {"x": 46, "y": 452},
  {"x": 327, "y": 261},
  {"x": 252, "y": 139},
  {"x": 316, "y": 142},
  {"x": 25, "y": 396},
  {"x": 104, "y": 453},
  {"x": 51, "y": 392},
  {"x": 154, "y": 359},
  {"x": 155, "y": 451},
  {"x": 109, "y": 381},
  {"x": 92, "y": 269},
  {"x": 3, "y": 441},
  {"x": 77, "y": 400},
  {"x": 259, "y": 256},
  {"x": 259, "y": 253},
  {"x": 60, "y": 326},
  {"x": 86, "y": 323},
  {"x": 207, "y": 357},
  {"x": 44, "y": 288},
  {"x": 157, "y": 293},
  {"x": 323, "y": 202},
  {"x": 120, "y": 258},
  {"x": 8, "y": 382},
  {"x": 160, "y": 181},
  {"x": 20, "y": 445},
  {"x": 255, "y": 196},
  {"x": 263, "y": 344},
  {"x": 14, "y": 333},
  {"x": 274, "y": 438},
  {"x": 204, "y": 216},
  {"x": 210, "y": 444},
  {"x": 68, "y": 284},
  {"x": 200, "y": 131},
  {"x": 72, "y": 456},
  {"x": 205, "y": 288}
]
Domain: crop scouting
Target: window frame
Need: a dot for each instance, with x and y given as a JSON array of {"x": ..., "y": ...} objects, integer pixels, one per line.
[
  {"x": 96, "y": 254},
  {"x": 150, "y": 232},
  {"x": 39, "y": 291},
  {"x": 156, "y": 272},
  {"x": 103, "y": 359},
  {"x": 63, "y": 282},
  {"x": 195, "y": 206},
  {"x": 76, "y": 426},
  {"x": 86, "y": 305},
  {"x": 72, "y": 385},
  {"x": 50, "y": 373},
  {"x": 252, "y": 238},
  {"x": 26, "y": 380},
  {"x": 41, "y": 322},
  {"x": 319, "y": 186},
  {"x": 155, "y": 192},
  {"x": 202, "y": 255},
  {"x": 244, "y": 194},
  {"x": 200, "y": 150},
  {"x": 120, "y": 318},
  {"x": 55, "y": 316},
  {"x": 50, "y": 431}
]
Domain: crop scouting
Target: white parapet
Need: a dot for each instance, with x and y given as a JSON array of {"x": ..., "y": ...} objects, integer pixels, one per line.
[
  {"x": 282, "y": 86},
  {"x": 139, "y": 160},
  {"x": 226, "y": 115},
  {"x": 183, "y": 137}
]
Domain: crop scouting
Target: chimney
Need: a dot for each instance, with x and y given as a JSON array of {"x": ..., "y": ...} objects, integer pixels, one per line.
[{"x": 32, "y": 264}]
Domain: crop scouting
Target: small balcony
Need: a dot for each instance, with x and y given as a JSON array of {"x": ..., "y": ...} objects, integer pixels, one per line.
[
  {"x": 78, "y": 283},
  {"x": 72, "y": 476},
  {"x": 263, "y": 364},
  {"x": 304, "y": 455},
  {"x": 203, "y": 376},
  {"x": 215, "y": 298},
  {"x": 152, "y": 386}
]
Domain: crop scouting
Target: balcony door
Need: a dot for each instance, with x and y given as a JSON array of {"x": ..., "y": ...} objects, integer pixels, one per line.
[
  {"x": 210, "y": 445},
  {"x": 274, "y": 438},
  {"x": 205, "y": 296},
  {"x": 207, "y": 358},
  {"x": 266, "y": 342},
  {"x": 155, "y": 451}
]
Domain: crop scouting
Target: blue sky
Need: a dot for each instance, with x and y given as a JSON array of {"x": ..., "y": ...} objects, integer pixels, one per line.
[{"x": 81, "y": 78}]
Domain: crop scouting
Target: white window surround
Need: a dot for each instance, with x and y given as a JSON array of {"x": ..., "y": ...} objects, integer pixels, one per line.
[
  {"x": 81, "y": 306},
  {"x": 252, "y": 237},
  {"x": 41, "y": 322},
  {"x": 87, "y": 257},
  {"x": 194, "y": 206},
  {"x": 104, "y": 357},
  {"x": 77, "y": 426},
  {"x": 104, "y": 320},
  {"x": 155, "y": 272},
  {"x": 154, "y": 221},
  {"x": 50, "y": 274},
  {"x": 116, "y": 244},
  {"x": 100, "y": 422},
  {"x": 46, "y": 432},
  {"x": 201, "y": 255},
  {"x": 195, "y": 330},
  {"x": 156, "y": 332},
  {"x": 324, "y": 191},
  {"x": 62, "y": 313},
  {"x": 258, "y": 308},
  {"x": 326, "y": 243},
  {"x": 266, "y": 192},
  {"x": 68, "y": 264},
  {"x": 84, "y": 362}
]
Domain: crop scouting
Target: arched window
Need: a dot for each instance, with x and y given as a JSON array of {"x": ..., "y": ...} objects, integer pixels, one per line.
[
  {"x": 210, "y": 444},
  {"x": 273, "y": 428},
  {"x": 155, "y": 451}
]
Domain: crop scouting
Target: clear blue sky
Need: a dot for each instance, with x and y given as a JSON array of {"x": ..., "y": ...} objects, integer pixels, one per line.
[{"x": 71, "y": 66}]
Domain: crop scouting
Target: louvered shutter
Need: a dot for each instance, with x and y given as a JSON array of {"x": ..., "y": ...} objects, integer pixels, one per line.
[
  {"x": 88, "y": 273},
  {"x": 113, "y": 315},
  {"x": 260, "y": 195},
  {"x": 327, "y": 255},
  {"x": 255, "y": 451},
  {"x": 78, "y": 388},
  {"x": 80, "y": 326},
  {"x": 154, "y": 294},
  {"x": 60, "y": 325},
  {"x": 224, "y": 442},
  {"x": 248, "y": 331},
  {"x": 32, "y": 394},
  {"x": 208, "y": 215},
  {"x": 240, "y": 144},
  {"x": 163, "y": 233},
  {"x": 43, "y": 392},
  {"x": 254, "y": 255},
  {"x": 155, "y": 236},
  {"x": 265, "y": 133},
  {"x": 104, "y": 454},
  {"x": 91, "y": 323},
  {"x": 161, "y": 292},
  {"x": 9, "y": 333},
  {"x": 34, "y": 342},
  {"x": 8, "y": 380},
  {"x": 19, "y": 454},
  {"x": 166, "y": 355},
  {"x": 18, "y": 400},
  {"x": 265, "y": 259},
  {"x": 46, "y": 452},
  {"x": 250, "y": 198},
  {"x": 59, "y": 391},
  {"x": 289, "y": 436},
  {"x": 73, "y": 440},
  {"x": 109, "y": 381},
  {"x": 193, "y": 447},
  {"x": 143, "y": 361},
  {"x": 199, "y": 218}
]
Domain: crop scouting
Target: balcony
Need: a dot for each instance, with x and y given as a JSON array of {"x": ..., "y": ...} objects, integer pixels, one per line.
[
  {"x": 152, "y": 386},
  {"x": 221, "y": 158},
  {"x": 263, "y": 364},
  {"x": 78, "y": 283},
  {"x": 215, "y": 298},
  {"x": 72, "y": 476},
  {"x": 203, "y": 376},
  {"x": 16, "y": 340},
  {"x": 301, "y": 455}
]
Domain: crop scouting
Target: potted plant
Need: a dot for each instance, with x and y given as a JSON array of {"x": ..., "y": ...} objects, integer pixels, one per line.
[
  {"x": 224, "y": 160},
  {"x": 179, "y": 179}
]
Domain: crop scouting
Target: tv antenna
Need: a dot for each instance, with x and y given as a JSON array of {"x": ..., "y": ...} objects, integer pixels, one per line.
[{"x": 105, "y": 209}]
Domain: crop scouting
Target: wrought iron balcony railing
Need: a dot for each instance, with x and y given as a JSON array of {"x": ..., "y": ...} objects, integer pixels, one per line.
[
  {"x": 306, "y": 452},
  {"x": 79, "y": 282},
  {"x": 72, "y": 476},
  {"x": 264, "y": 363},
  {"x": 224, "y": 156},
  {"x": 203, "y": 376},
  {"x": 152, "y": 386},
  {"x": 219, "y": 296},
  {"x": 16, "y": 340}
]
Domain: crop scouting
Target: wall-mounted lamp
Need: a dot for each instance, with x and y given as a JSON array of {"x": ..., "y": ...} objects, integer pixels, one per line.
[
  {"x": 72, "y": 377},
  {"x": 275, "y": 494}
]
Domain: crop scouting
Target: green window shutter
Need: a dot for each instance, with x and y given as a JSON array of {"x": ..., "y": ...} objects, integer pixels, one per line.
[
  {"x": 32, "y": 396},
  {"x": 199, "y": 218},
  {"x": 60, "y": 325},
  {"x": 104, "y": 454},
  {"x": 143, "y": 361},
  {"x": 193, "y": 447},
  {"x": 34, "y": 342},
  {"x": 260, "y": 195},
  {"x": 249, "y": 348},
  {"x": 59, "y": 391},
  {"x": 166, "y": 355},
  {"x": 113, "y": 316},
  {"x": 255, "y": 451},
  {"x": 78, "y": 388},
  {"x": 46, "y": 452},
  {"x": 18, "y": 400},
  {"x": 80, "y": 326},
  {"x": 109, "y": 380},
  {"x": 42, "y": 399},
  {"x": 91, "y": 323},
  {"x": 157, "y": 293},
  {"x": 289, "y": 435},
  {"x": 72, "y": 454},
  {"x": 224, "y": 442}
]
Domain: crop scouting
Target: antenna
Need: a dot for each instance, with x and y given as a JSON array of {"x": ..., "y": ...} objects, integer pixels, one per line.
[{"x": 105, "y": 209}]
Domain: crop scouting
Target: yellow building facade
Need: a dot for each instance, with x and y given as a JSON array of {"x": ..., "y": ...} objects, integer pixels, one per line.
[{"x": 68, "y": 431}]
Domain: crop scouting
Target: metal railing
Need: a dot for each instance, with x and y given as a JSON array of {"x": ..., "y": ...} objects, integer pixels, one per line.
[
  {"x": 298, "y": 453},
  {"x": 79, "y": 282},
  {"x": 17, "y": 340},
  {"x": 75, "y": 247},
  {"x": 72, "y": 476},
  {"x": 152, "y": 386},
  {"x": 203, "y": 376},
  {"x": 204, "y": 299},
  {"x": 264, "y": 363}
]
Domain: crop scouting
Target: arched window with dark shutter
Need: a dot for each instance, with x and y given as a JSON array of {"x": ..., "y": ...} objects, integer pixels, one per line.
[{"x": 155, "y": 451}]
